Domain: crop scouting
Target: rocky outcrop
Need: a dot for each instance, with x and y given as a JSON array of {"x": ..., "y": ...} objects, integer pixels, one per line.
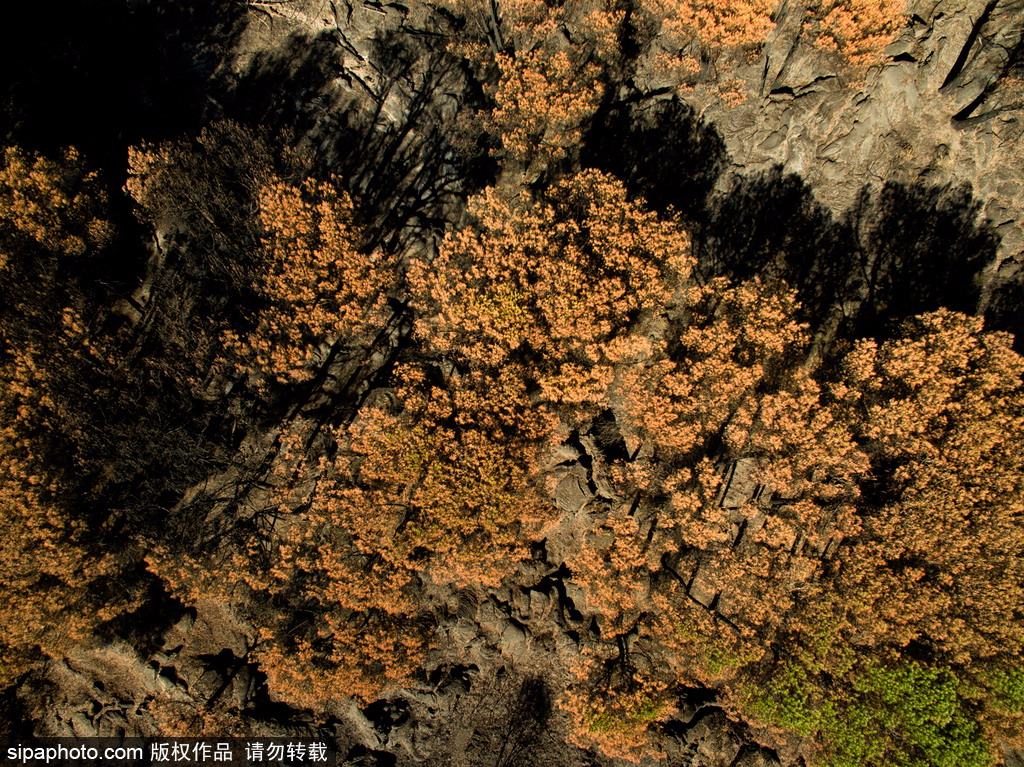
[{"x": 943, "y": 108}]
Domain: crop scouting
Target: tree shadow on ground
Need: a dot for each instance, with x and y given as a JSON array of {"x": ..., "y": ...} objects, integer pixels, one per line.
[
  {"x": 920, "y": 248},
  {"x": 767, "y": 225},
  {"x": 900, "y": 250},
  {"x": 1005, "y": 310},
  {"x": 770, "y": 225},
  {"x": 662, "y": 151},
  {"x": 384, "y": 127},
  {"x": 505, "y": 719}
]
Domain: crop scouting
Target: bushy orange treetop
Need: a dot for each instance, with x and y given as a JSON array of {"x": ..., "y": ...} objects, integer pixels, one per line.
[
  {"x": 319, "y": 289},
  {"x": 560, "y": 284},
  {"x": 940, "y": 411},
  {"x": 892, "y": 517},
  {"x": 542, "y": 102},
  {"x": 447, "y": 486},
  {"x": 731, "y": 339},
  {"x": 342, "y": 624},
  {"x": 545, "y": 88},
  {"x": 54, "y": 204},
  {"x": 725, "y": 384},
  {"x": 46, "y": 569},
  {"x": 857, "y": 30},
  {"x": 715, "y": 23},
  {"x": 701, "y": 42},
  {"x": 52, "y": 221},
  {"x": 329, "y": 620},
  {"x": 692, "y": 404},
  {"x": 439, "y": 489}
]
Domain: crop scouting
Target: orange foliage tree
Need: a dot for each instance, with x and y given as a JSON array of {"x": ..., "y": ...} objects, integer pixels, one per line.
[
  {"x": 320, "y": 289},
  {"x": 590, "y": 297},
  {"x": 692, "y": 39},
  {"x": 732, "y": 339},
  {"x": 51, "y": 224},
  {"x": 857, "y": 30},
  {"x": 560, "y": 292},
  {"x": 888, "y": 517},
  {"x": 329, "y": 622},
  {"x": 451, "y": 477},
  {"x": 439, "y": 490},
  {"x": 916, "y": 607},
  {"x": 562, "y": 285},
  {"x": 542, "y": 102},
  {"x": 51, "y": 584},
  {"x": 50, "y": 581},
  {"x": 544, "y": 89},
  {"x": 715, "y": 23},
  {"x": 720, "y": 388},
  {"x": 700, "y": 41},
  {"x": 940, "y": 411},
  {"x": 55, "y": 205}
]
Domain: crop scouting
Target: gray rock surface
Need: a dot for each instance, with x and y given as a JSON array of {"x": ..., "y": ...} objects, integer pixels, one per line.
[{"x": 940, "y": 109}]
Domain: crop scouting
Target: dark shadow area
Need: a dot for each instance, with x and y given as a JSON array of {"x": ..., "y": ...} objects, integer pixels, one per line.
[
  {"x": 1000, "y": 96},
  {"x": 261, "y": 707},
  {"x": 770, "y": 225},
  {"x": 921, "y": 248},
  {"x": 767, "y": 225},
  {"x": 510, "y": 724},
  {"x": 458, "y": 677},
  {"x": 361, "y": 756},
  {"x": 15, "y": 720},
  {"x": 386, "y": 715},
  {"x": 661, "y": 150},
  {"x": 102, "y": 75},
  {"x": 202, "y": 194},
  {"x": 411, "y": 172},
  {"x": 142, "y": 427},
  {"x": 287, "y": 87},
  {"x": 899, "y": 251},
  {"x": 1005, "y": 310},
  {"x": 146, "y": 625},
  {"x": 606, "y": 433},
  {"x": 755, "y": 754}
]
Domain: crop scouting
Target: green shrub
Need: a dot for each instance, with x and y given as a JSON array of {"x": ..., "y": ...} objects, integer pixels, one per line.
[
  {"x": 1007, "y": 686},
  {"x": 908, "y": 715}
]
